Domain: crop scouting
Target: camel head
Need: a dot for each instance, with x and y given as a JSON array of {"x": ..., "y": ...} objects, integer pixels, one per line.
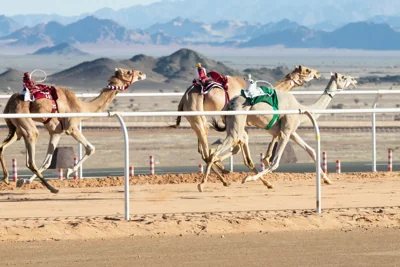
[
  {"x": 123, "y": 78},
  {"x": 305, "y": 74},
  {"x": 339, "y": 82},
  {"x": 343, "y": 81}
]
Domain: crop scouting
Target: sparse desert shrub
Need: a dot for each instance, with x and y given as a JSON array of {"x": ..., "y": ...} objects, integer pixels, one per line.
[
  {"x": 338, "y": 106},
  {"x": 356, "y": 100},
  {"x": 174, "y": 101}
]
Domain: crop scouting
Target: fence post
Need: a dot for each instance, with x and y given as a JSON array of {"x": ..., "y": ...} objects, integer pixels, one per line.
[
  {"x": 76, "y": 176},
  {"x": 338, "y": 167},
  {"x": 318, "y": 161},
  {"x": 131, "y": 171},
  {"x": 80, "y": 153},
  {"x": 374, "y": 132},
  {"x": 126, "y": 164},
  {"x": 231, "y": 161},
  {"x": 390, "y": 160},
  {"x": 60, "y": 174},
  {"x": 152, "y": 165},
  {"x": 324, "y": 162},
  {"x": 201, "y": 168},
  {"x": 15, "y": 170},
  {"x": 262, "y": 165}
]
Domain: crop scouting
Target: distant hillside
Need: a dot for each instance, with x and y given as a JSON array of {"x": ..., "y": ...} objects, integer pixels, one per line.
[
  {"x": 174, "y": 71},
  {"x": 89, "y": 74},
  {"x": 8, "y": 25},
  {"x": 305, "y": 12},
  {"x": 87, "y": 30},
  {"x": 360, "y": 35},
  {"x": 181, "y": 65},
  {"x": 12, "y": 79},
  {"x": 269, "y": 75},
  {"x": 63, "y": 49}
]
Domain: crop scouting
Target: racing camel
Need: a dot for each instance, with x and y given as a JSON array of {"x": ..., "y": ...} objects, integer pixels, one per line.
[
  {"x": 49, "y": 99},
  {"x": 216, "y": 98},
  {"x": 283, "y": 128}
]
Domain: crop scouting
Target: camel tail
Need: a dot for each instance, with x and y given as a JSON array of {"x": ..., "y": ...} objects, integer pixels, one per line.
[
  {"x": 216, "y": 126},
  {"x": 12, "y": 131},
  {"x": 179, "y": 118}
]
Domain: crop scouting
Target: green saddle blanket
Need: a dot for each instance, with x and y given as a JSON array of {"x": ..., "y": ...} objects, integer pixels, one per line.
[{"x": 270, "y": 98}]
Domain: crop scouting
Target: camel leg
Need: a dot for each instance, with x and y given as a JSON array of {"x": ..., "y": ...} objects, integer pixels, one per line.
[
  {"x": 285, "y": 136},
  {"x": 54, "y": 140},
  {"x": 30, "y": 138},
  {"x": 90, "y": 149},
  {"x": 249, "y": 162},
  {"x": 198, "y": 124},
  {"x": 296, "y": 138},
  {"x": 200, "y": 186},
  {"x": 11, "y": 138},
  {"x": 270, "y": 151}
]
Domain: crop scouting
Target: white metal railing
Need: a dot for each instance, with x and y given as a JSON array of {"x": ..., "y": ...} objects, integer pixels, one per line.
[{"x": 120, "y": 115}]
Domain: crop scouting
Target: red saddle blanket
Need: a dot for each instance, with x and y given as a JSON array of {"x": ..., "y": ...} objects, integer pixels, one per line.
[
  {"x": 44, "y": 91},
  {"x": 219, "y": 78}
]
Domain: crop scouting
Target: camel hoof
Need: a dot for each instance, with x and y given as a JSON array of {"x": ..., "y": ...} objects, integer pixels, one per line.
[
  {"x": 245, "y": 179},
  {"x": 328, "y": 182},
  {"x": 20, "y": 182},
  {"x": 200, "y": 188},
  {"x": 69, "y": 172},
  {"x": 54, "y": 191},
  {"x": 226, "y": 172},
  {"x": 270, "y": 186},
  {"x": 226, "y": 184},
  {"x": 6, "y": 180}
]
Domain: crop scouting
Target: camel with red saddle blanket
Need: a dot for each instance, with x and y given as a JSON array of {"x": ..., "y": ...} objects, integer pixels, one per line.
[
  {"x": 215, "y": 98},
  {"x": 48, "y": 99}
]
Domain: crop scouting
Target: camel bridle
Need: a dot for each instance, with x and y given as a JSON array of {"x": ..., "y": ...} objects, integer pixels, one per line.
[{"x": 123, "y": 88}]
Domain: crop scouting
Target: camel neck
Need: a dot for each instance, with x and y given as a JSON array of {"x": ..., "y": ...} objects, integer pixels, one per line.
[
  {"x": 325, "y": 98},
  {"x": 101, "y": 102},
  {"x": 285, "y": 85}
]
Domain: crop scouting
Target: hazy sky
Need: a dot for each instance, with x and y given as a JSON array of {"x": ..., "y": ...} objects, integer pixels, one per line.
[{"x": 65, "y": 7}]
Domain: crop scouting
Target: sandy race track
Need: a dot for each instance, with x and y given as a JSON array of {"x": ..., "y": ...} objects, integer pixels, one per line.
[{"x": 165, "y": 207}]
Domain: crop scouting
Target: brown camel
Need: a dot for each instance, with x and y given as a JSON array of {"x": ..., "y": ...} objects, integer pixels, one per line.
[
  {"x": 67, "y": 102},
  {"x": 284, "y": 129},
  {"x": 215, "y": 100}
]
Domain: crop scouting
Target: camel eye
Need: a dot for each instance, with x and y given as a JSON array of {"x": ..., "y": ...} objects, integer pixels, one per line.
[{"x": 129, "y": 73}]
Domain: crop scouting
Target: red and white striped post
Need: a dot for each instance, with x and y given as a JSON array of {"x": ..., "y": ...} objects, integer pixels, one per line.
[
  {"x": 14, "y": 170},
  {"x": 338, "y": 167},
  {"x": 201, "y": 168},
  {"x": 131, "y": 171},
  {"x": 324, "y": 162},
  {"x": 390, "y": 160},
  {"x": 152, "y": 165},
  {"x": 60, "y": 174},
  {"x": 76, "y": 171},
  {"x": 262, "y": 165}
]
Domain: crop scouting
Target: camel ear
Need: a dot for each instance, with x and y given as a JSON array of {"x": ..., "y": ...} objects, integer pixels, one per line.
[
  {"x": 336, "y": 75},
  {"x": 300, "y": 68}
]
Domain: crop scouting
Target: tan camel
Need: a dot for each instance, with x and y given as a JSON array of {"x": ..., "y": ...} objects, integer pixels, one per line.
[
  {"x": 284, "y": 129},
  {"x": 215, "y": 100},
  {"x": 67, "y": 103}
]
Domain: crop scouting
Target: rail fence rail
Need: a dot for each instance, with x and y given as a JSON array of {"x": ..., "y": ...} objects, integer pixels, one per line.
[{"x": 120, "y": 115}]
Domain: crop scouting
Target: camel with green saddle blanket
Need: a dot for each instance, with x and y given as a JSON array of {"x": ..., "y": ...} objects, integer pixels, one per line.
[
  {"x": 283, "y": 129},
  {"x": 215, "y": 100}
]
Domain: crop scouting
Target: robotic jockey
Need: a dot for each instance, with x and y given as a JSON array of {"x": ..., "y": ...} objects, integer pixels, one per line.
[{"x": 202, "y": 78}]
